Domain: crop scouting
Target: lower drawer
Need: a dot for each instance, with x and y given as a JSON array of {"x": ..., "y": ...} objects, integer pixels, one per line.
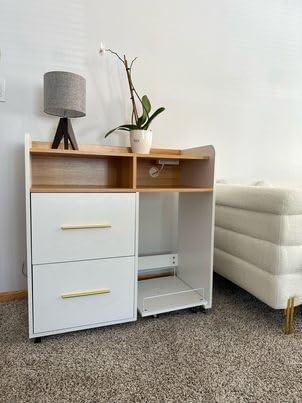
[{"x": 74, "y": 294}]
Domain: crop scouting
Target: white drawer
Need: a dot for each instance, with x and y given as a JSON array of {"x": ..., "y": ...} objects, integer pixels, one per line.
[
  {"x": 58, "y": 291},
  {"x": 69, "y": 227}
]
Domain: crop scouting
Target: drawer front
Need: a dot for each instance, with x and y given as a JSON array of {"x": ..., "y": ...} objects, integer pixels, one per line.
[
  {"x": 74, "y": 294},
  {"x": 70, "y": 227}
]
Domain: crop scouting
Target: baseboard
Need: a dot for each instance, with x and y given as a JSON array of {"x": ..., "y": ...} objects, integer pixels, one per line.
[{"x": 12, "y": 295}]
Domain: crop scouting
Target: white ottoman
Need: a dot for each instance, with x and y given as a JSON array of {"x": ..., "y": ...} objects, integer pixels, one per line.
[{"x": 258, "y": 243}]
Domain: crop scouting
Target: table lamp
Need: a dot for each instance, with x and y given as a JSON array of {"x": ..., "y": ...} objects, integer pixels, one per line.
[{"x": 64, "y": 96}]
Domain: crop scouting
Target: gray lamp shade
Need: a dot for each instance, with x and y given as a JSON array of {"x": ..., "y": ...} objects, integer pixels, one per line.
[{"x": 64, "y": 94}]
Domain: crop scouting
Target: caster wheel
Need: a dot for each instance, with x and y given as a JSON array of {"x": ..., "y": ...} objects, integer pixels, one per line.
[
  {"x": 197, "y": 309},
  {"x": 37, "y": 340},
  {"x": 155, "y": 316}
]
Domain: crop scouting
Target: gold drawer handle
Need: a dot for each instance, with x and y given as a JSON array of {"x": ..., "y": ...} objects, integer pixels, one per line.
[
  {"x": 83, "y": 226},
  {"x": 76, "y": 294}
]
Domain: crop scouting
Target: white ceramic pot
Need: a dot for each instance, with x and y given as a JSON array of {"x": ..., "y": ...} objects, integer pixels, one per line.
[{"x": 141, "y": 141}]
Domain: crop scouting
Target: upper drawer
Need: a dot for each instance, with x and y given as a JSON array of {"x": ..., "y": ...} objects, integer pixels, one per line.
[{"x": 69, "y": 227}]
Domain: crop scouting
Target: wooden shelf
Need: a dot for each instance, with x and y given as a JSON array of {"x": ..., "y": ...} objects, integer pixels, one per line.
[
  {"x": 96, "y": 168},
  {"x": 102, "y": 189},
  {"x": 44, "y": 148},
  {"x": 77, "y": 153},
  {"x": 171, "y": 156},
  {"x": 174, "y": 189},
  {"x": 78, "y": 189},
  {"x": 105, "y": 153}
]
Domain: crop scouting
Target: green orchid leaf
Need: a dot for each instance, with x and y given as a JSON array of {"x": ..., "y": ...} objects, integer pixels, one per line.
[
  {"x": 129, "y": 127},
  {"x": 146, "y": 104},
  {"x": 156, "y": 113},
  {"x": 111, "y": 131},
  {"x": 123, "y": 127},
  {"x": 146, "y": 109}
]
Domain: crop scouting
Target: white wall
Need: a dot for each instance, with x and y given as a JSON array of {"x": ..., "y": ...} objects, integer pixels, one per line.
[{"x": 228, "y": 71}]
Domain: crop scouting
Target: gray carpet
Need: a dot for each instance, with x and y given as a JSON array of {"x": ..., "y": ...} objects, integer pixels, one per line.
[{"x": 235, "y": 353}]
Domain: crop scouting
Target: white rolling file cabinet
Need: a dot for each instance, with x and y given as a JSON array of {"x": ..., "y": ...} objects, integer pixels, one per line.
[{"x": 84, "y": 267}]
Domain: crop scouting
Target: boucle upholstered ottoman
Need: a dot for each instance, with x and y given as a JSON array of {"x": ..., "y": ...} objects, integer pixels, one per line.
[{"x": 258, "y": 243}]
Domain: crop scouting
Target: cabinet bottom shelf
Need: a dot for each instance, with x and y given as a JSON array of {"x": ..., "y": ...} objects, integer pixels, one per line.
[{"x": 167, "y": 294}]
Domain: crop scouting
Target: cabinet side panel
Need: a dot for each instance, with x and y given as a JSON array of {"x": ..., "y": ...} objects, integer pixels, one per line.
[
  {"x": 195, "y": 245},
  {"x": 196, "y": 223},
  {"x": 28, "y": 180}
]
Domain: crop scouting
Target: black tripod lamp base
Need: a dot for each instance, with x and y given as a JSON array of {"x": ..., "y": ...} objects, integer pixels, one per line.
[{"x": 65, "y": 132}]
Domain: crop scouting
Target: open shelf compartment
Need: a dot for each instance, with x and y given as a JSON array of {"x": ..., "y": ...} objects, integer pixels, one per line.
[
  {"x": 61, "y": 173},
  {"x": 174, "y": 174},
  {"x": 166, "y": 294}
]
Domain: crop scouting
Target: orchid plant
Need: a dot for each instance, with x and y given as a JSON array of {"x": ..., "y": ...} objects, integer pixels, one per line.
[{"x": 143, "y": 121}]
